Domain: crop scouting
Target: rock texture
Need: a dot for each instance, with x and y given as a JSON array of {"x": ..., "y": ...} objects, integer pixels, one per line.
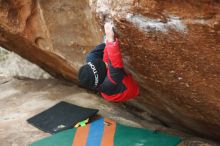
[
  {"x": 171, "y": 47},
  {"x": 174, "y": 49},
  {"x": 53, "y": 34}
]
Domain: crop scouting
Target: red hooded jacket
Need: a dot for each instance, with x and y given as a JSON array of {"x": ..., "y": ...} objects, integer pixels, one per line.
[{"x": 118, "y": 84}]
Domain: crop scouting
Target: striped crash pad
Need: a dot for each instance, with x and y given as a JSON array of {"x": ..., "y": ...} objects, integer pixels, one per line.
[{"x": 105, "y": 132}]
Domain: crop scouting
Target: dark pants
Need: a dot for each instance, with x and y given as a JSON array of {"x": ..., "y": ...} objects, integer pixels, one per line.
[{"x": 96, "y": 53}]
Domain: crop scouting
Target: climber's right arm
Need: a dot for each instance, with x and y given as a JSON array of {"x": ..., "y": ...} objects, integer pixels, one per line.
[{"x": 113, "y": 53}]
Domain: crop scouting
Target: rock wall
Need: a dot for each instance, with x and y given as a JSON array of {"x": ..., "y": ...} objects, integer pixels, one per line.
[
  {"x": 171, "y": 47},
  {"x": 53, "y": 34}
]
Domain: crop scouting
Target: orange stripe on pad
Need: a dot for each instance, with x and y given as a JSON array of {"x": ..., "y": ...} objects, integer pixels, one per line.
[
  {"x": 109, "y": 132},
  {"x": 81, "y": 135}
]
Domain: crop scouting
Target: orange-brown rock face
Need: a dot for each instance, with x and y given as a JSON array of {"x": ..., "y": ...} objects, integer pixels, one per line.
[
  {"x": 53, "y": 34},
  {"x": 171, "y": 47}
]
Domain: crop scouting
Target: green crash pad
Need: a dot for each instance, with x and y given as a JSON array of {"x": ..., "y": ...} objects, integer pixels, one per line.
[
  {"x": 124, "y": 136},
  {"x": 64, "y": 138},
  {"x": 129, "y": 136}
]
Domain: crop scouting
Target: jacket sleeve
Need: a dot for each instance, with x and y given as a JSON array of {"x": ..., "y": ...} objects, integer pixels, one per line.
[
  {"x": 105, "y": 56},
  {"x": 115, "y": 63}
]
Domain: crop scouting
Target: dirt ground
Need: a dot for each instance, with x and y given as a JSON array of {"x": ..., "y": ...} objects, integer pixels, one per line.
[{"x": 20, "y": 99}]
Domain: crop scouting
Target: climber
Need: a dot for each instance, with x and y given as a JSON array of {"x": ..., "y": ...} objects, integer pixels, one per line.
[{"x": 104, "y": 71}]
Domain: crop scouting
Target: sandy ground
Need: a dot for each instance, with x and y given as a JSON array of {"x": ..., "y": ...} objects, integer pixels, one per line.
[{"x": 20, "y": 99}]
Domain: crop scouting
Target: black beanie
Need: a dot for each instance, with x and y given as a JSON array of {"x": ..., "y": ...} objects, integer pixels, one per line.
[{"x": 92, "y": 74}]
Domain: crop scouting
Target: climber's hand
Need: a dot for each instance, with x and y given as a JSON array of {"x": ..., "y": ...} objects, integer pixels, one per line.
[{"x": 110, "y": 35}]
